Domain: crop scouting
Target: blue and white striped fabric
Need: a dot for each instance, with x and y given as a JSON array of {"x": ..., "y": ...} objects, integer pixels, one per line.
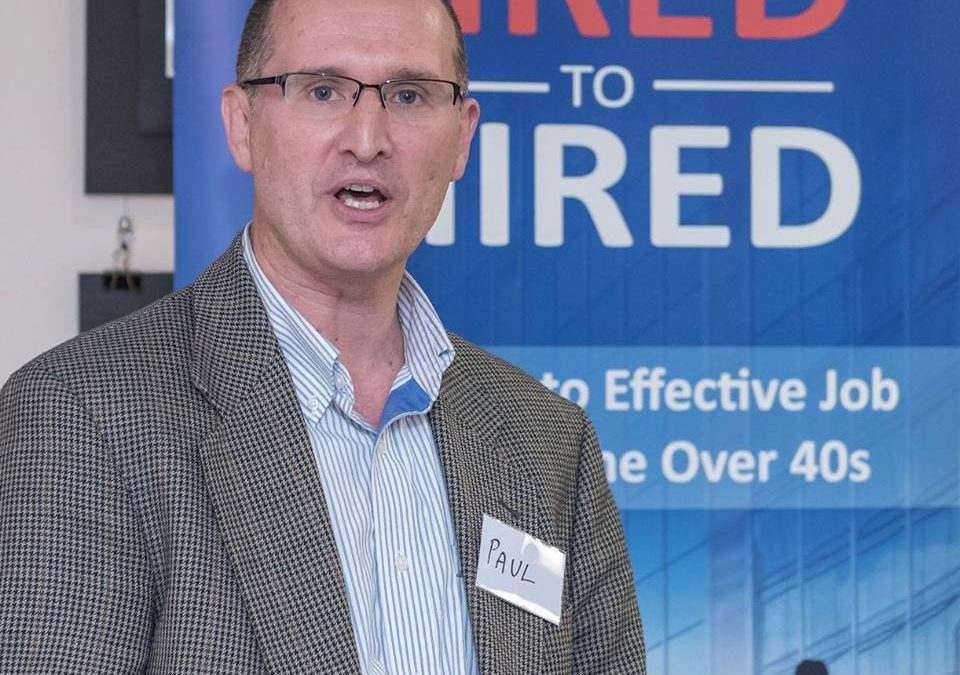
[{"x": 385, "y": 490}]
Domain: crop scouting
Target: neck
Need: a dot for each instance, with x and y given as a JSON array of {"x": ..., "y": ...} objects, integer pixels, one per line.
[{"x": 358, "y": 315}]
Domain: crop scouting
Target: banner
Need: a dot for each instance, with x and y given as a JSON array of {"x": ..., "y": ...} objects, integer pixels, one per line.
[{"x": 729, "y": 231}]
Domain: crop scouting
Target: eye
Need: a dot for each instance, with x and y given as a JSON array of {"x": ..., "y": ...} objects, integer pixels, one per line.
[
  {"x": 312, "y": 89},
  {"x": 408, "y": 97},
  {"x": 322, "y": 93},
  {"x": 408, "y": 94}
]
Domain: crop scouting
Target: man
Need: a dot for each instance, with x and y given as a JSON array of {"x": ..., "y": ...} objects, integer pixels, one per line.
[{"x": 289, "y": 466}]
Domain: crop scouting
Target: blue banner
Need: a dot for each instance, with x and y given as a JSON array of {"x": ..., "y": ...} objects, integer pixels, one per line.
[
  {"x": 729, "y": 231},
  {"x": 213, "y": 200}
]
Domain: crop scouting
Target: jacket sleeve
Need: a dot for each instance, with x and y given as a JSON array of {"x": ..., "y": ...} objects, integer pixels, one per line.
[
  {"x": 75, "y": 583},
  {"x": 607, "y": 633}
]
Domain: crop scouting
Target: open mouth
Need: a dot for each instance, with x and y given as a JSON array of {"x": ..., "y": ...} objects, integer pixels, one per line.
[{"x": 359, "y": 196}]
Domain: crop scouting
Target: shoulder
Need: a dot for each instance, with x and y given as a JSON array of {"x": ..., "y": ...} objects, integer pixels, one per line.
[
  {"x": 115, "y": 359},
  {"x": 152, "y": 343},
  {"x": 161, "y": 326},
  {"x": 519, "y": 396}
]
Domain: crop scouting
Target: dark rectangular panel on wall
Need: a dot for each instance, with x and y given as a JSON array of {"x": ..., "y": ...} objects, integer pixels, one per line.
[
  {"x": 105, "y": 297},
  {"x": 129, "y": 144}
]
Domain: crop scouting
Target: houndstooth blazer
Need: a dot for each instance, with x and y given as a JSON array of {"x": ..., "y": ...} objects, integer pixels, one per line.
[{"x": 161, "y": 509}]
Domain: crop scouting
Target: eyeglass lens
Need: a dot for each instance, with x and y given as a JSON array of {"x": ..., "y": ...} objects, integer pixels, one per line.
[{"x": 329, "y": 96}]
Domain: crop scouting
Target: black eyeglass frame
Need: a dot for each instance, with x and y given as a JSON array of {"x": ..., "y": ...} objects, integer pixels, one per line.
[{"x": 281, "y": 80}]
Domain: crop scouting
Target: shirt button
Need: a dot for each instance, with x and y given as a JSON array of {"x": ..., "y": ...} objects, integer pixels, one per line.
[
  {"x": 313, "y": 404},
  {"x": 382, "y": 445},
  {"x": 340, "y": 382},
  {"x": 401, "y": 562}
]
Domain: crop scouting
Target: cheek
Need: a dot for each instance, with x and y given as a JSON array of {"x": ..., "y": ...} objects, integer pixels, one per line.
[
  {"x": 438, "y": 170},
  {"x": 284, "y": 173},
  {"x": 429, "y": 192},
  {"x": 262, "y": 158},
  {"x": 437, "y": 150},
  {"x": 276, "y": 150}
]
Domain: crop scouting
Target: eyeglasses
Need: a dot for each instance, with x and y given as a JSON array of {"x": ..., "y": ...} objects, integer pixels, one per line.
[{"x": 322, "y": 97}]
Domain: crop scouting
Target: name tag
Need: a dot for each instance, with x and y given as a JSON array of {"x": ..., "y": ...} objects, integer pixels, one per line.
[{"x": 521, "y": 569}]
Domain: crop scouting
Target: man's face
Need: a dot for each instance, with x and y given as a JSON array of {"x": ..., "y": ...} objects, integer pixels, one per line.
[{"x": 304, "y": 220}]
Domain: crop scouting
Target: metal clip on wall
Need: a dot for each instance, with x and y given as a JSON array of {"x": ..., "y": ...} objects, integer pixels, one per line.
[{"x": 120, "y": 278}]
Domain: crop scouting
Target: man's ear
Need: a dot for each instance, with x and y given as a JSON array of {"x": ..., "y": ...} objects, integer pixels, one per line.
[
  {"x": 469, "y": 116},
  {"x": 235, "y": 110}
]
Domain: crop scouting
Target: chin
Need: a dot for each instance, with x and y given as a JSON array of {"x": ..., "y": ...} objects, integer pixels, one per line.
[{"x": 361, "y": 266}]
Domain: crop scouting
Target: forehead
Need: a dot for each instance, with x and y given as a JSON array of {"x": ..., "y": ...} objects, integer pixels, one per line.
[{"x": 365, "y": 39}]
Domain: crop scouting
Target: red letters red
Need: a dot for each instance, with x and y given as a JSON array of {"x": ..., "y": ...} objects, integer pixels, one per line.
[
  {"x": 468, "y": 11},
  {"x": 586, "y": 14},
  {"x": 646, "y": 21},
  {"x": 753, "y": 22},
  {"x": 523, "y": 17}
]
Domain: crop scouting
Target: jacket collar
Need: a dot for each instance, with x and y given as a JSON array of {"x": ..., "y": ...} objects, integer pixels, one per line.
[{"x": 233, "y": 343}]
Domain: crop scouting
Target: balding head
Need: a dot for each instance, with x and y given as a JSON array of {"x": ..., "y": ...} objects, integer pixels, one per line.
[{"x": 256, "y": 42}]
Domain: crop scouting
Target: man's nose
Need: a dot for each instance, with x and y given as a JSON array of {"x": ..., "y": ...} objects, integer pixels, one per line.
[{"x": 366, "y": 128}]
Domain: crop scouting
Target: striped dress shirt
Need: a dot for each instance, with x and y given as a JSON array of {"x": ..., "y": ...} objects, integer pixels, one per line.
[{"x": 384, "y": 489}]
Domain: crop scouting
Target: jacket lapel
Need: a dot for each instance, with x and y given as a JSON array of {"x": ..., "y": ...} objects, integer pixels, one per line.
[
  {"x": 481, "y": 479},
  {"x": 263, "y": 481}
]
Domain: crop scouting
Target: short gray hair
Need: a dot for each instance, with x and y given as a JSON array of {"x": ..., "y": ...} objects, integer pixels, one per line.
[{"x": 256, "y": 42}]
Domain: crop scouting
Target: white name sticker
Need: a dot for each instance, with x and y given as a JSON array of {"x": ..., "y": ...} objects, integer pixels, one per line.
[{"x": 521, "y": 569}]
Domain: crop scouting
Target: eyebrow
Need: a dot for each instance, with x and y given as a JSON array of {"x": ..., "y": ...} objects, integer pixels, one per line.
[
  {"x": 402, "y": 74},
  {"x": 409, "y": 74}
]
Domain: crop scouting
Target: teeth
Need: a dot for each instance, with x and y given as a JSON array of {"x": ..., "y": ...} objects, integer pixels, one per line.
[
  {"x": 356, "y": 187},
  {"x": 363, "y": 205}
]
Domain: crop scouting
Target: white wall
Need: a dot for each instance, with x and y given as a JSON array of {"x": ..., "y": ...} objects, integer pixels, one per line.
[{"x": 49, "y": 229}]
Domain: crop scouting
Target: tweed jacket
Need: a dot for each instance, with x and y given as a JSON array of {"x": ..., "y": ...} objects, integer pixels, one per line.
[{"x": 161, "y": 509}]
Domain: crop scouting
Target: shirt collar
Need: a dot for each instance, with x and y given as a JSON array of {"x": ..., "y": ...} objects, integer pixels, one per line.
[
  {"x": 314, "y": 361},
  {"x": 427, "y": 348}
]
